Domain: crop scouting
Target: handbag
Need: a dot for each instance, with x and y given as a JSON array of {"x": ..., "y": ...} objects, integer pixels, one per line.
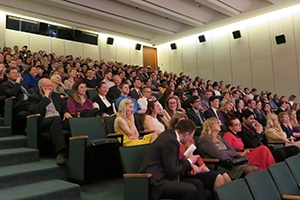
[{"x": 235, "y": 161}]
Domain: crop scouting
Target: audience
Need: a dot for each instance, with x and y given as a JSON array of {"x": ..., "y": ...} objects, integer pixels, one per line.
[
  {"x": 102, "y": 102},
  {"x": 30, "y": 78}
]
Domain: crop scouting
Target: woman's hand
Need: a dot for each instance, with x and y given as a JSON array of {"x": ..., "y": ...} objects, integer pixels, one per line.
[{"x": 245, "y": 152}]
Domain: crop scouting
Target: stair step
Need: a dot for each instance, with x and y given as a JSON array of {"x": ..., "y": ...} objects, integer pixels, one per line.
[
  {"x": 51, "y": 189},
  {"x": 21, "y": 174},
  {"x": 12, "y": 142},
  {"x": 5, "y": 131},
  {"x": 18, "y": 156}
]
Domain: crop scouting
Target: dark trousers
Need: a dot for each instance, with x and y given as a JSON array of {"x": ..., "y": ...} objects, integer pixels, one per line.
[
  {"x": 281, "y": 154},
  {"x": 187, "y": 189},
  {"x": 55, "y": 127}
]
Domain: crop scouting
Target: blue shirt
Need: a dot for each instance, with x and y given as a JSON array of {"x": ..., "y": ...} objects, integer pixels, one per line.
[{"x": 137, "y": 106}]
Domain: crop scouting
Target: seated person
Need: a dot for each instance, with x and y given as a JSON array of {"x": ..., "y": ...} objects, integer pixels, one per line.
[
  {"x": 124, "y": 94},
  {"x": 259, "y": 156},
  {"x": 72, "y": 78},
  {"x": 58, "y": 86},
  {"x": 211, "y": 145},
  {"x": 294, "y": 122},
  {"x": 30, "y": 78},
  {"x": 173, "y": 106},
  {"x": 153, "y": 121},
  {"x": 114, "y": 92},
  {"x": 103, "y": 102},
  {"x": 79, "y": 102},
  {"x": 286, "y": 125},
  {"x": 227, "y": 110},
  {"x": 53, "y": 116},
  {"x": 275, "y": 132},
  {"x": 90, "y": 80},
  {"x": 124, "y": 123},
  {"x": 169, "y": 178},
  {"x": 211, "y": 179},
  {"x": 213, "y": 111},
  {"x": 253, "y": 136},
  {"x": 195, "y": 113},
  {"x": 168, "y": 93}
]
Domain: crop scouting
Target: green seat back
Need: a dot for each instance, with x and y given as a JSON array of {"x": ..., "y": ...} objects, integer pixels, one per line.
[
  {"x": 235, "y": 190},
  {"x": 293, "y": 164},
  {"x": 132, "y": 157},
  {"x": 262, "y": 186},
  {"x": 139, "y": 121},
  {"x": 109, "y": 124},
  {"x": 284, "y": 179},
  {"x": 91, "y": 126},
  {"x": 92, "y": 93}
]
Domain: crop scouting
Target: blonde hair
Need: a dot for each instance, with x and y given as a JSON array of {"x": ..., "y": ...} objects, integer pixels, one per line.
[
  {"x": 122, "y": 107},
  {"x": 270, "y": 120},
  {"x": 280, "y": 116},
  {"x": 294, "y": 122},
  {"x": 54, "y": 77},
  {"x": 224, "y": 107},
  {"x": 207, "y": 126}
]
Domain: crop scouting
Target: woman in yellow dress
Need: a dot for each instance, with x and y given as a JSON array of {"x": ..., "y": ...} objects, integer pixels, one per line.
[{"x": 124, "y": 123}]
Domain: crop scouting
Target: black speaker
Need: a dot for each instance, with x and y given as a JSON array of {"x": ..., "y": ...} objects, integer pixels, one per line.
[
  {"x": 201, "y": 38},
  {"x": 236, "y": 34},
  {"x": 110, "y": 41},
  {"x": 173, "y": 46},
  {"x": 138, "y": 46},
  {"x": 280, "y": 39},
  {"x": 77, "y": 33},
  {"x": 43, "y": 29}
]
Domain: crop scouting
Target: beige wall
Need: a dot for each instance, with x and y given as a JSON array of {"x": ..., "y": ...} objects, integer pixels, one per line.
[{"x": 255, "y": 60}]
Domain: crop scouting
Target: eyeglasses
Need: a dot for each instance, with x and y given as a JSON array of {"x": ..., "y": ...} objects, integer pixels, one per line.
[
  {"x": 238, "y": 124},
  {"x": 172, "y": 102}
]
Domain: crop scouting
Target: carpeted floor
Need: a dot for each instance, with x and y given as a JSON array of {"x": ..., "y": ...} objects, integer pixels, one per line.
[{"x": 105, "y": 190}]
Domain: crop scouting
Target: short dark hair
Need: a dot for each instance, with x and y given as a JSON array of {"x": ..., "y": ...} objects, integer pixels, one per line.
[
  {"x": 192, "y": 99},
  {"x": 212, "y": 98},
  {"x": 247, "y": 113},
  {"x": 185, "y": 125}
]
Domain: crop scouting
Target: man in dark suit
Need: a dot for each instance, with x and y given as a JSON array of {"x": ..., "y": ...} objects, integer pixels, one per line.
[
  {"x": 136, "y": 91},
  {"x": 195, "y": 113},
  {"x": 163, "y": 162},
  {"x": 253, "y": 136},
  {"x": 213, "y": 111},
  {"x": 114, "y": 92},
  {"x": 282, "y": 105},
  {"x": 53, "y": 116},
  {"x": 15, "y": 87}
]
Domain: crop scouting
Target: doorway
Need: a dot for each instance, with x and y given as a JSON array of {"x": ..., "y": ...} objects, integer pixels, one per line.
[{"x": 150, "y": 57}]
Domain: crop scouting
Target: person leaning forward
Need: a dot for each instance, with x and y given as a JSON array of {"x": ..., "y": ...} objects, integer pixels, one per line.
[
  {"x": 54, "y": 115},
  {"x": 167, "y": 168}
]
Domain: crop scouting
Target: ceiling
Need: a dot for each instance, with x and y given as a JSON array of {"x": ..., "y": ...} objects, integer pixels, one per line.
[{"x": 151, "y": 21}]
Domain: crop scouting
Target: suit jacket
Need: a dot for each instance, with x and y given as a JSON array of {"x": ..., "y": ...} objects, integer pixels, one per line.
[
  {"x": 102, "y": 106},
  {"x": 37, "y": 104},
  {"x": 162, "y": 160},
  {"x": 9, "y": 89},
  {"x": 133, "y": 94},
  {"x": 251, "y": 138},
  {"x": 114, "y": 93},
  {"x": 279, "y": 110},
  {"x": 210, "y": 113},
  {"x": 194, "y": 117}
]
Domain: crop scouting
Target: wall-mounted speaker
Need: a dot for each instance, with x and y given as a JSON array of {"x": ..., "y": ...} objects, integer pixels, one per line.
[
  {"x": 173, "y": 46},
  {"x": 110, "y": 41},
  {"x": 138, "y": 46},
  {"x": 201, "y": 38},
  {"x": 280, "y": 39},
  {"x": 236, "y": 34}
]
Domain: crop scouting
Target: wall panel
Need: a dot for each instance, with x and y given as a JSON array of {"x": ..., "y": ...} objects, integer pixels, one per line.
[
  {"x": 163, "y": 57},
  {"x": 123, "y": 53},
  {"x": 108, "y": 52},
  {"x": 91, "y": 51},
  {"x": 205, "y": 54},
  {"x": 176, "y": 64},
  {"x": 223, "y": 74},
  {"x": 221, "y": 51},
  {"x": 262, "y": 74},
  {"x": 240, "y": 52},
  {"x": 74, "y": 48},
  {"x": 136, "y": 57},
  {"x": 58, "y": 46},
  {"x": 38, "y": 42},
  {"x": 16, "y": 38},
  {"x": 241, "y": 74},
  {"x": 189, "y": 57}
]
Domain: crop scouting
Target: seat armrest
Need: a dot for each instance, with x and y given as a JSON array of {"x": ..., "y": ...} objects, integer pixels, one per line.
[
  {"x": 116, "y": 135},
  {"x": 276, "y": 142},
  {"x": 138, "y": 175},
  {"x": 146, "y": 132},
  {"x": 79, "y": 137},
  {"x": 33, "y": 115},
  {"x": 198, "y": 127},
  {"x": 12, "y": 97},
  {"x": 285, "y": 196},
  {"x": 211, "y": 160}
]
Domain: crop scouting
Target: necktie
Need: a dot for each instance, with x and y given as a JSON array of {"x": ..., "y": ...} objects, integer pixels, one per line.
[
  {"x": 140, "y": 95},
  {"x": 198, "y": 114}
]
